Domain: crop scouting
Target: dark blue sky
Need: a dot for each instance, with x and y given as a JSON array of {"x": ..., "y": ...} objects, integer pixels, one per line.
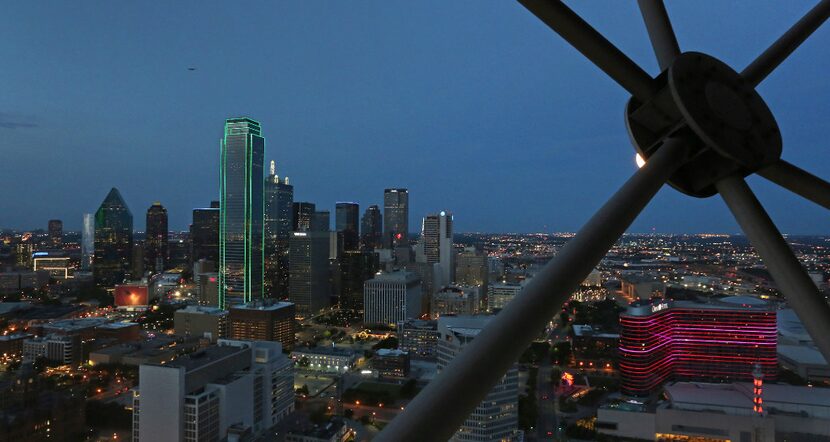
[{"x": 475, "y": 106}]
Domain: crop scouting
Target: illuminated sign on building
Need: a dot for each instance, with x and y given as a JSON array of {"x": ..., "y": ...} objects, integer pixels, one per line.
[{"x": 131, "y": 295}]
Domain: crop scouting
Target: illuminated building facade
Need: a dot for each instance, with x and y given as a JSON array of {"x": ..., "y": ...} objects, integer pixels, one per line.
[
  {"x": 279, "y": 219},
  {"x": 156, "y": 240},
  {"x": 302, "y": 212},
  {"x": 260, "y": 321},
  {"x": 436, "y": 233},
  {"x": 396, "y": 214},
  {"x": 87, "y": 242},
  {"x": 719, "y": 340},
  {"x": 113, "y": 240},
  {"x": 241, "y": 219}
]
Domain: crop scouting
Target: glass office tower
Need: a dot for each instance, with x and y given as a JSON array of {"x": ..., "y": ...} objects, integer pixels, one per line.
[
  {"x": 113, "y": 240},
  {"x": 396, "y": 218},
  {"x": 241, "y": 222},
  {"x": 279, "y": 221}
]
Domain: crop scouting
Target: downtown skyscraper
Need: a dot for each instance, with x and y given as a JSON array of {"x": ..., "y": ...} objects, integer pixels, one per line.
[
  {"x": 156, "y": 253},
  {"x": 55, "y": 233},
  {"x": 113, "y": 240},
  {"x": 241, "y": 219},
  {"x": 279, "y": 221},
  {"x": 371, "y": 228},
  {"x": 346, "y": 220},
  {"x": 396, "y": 218},
  {"x": 436, "y": 234}
]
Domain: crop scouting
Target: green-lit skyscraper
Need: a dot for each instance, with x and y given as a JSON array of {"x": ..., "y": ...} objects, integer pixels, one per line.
[
  {"x": 113, "y": 240},
  {"x": 241, "y": 212}
]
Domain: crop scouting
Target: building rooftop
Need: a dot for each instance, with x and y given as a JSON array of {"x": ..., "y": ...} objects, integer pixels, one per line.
[
  {"x": 68, "y": 325},
  {"x": 801, "y": 354},
  {"x": 396, "y": 276},
  {"x": 118, "y": 325},
  {"x": 204, "y": 357},
  {"x": 388, "y": 352},
  {"x": 15, "y": 336},
  {"x": 262, "y": 306},
  {"x": 777, "y": 397},
  {"x": 203, "y": 310},
  {"x": 646, "y": 307},
  {"x": 334, "y": 351}
]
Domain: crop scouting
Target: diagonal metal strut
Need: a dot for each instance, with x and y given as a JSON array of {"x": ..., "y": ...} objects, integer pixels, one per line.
[
  {"x": 793, "y": 281},
  {"x": 798, "y": 181},
  {"x": 660, "y": 32},
  {"x": 762, "y": 66},
  {"x": 593, "y": 46},
  {"x": 440, "y": 409}
]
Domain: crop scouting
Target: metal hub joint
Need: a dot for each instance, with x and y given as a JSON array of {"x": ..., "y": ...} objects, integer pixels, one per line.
[{"x": 710, "y": 107}]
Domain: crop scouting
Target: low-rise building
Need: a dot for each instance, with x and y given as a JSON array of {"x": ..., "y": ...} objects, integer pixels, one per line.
[
  {"x": 499, "y": 294},
  {"x": 264, "y": 321},
  {"x": 391, "y": 363},
  {"x": 12, "y": 344},
  {"x": 223, "y": 391},
  {"x": 63, "y": 349},
  {"x": 419, "y": 338},
  {"x": 455, "y": 300},
  {"x": 392, "y": 297},
  {"x": 201, "y": 321},
  {"x": 700, "y": 411},
  {"x": 331, "y": 359}
]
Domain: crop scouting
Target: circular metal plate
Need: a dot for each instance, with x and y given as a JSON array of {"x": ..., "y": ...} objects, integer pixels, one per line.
[{"x": 724, "y": 111}]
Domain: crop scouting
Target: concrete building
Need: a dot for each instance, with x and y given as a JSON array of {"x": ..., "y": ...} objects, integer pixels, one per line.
[
  {"x": 722, "y": 412},
  {"x": 329, "y": 359},
  {"x": 208, "y": 284},
  {"x": 200, "y": 321},
  {"x": 309, "y": 278},
  {"x": 391, "y": 363},
  {"x": 419, "y": 338},
  {"x": 264, "y": 321},
  {"x": 499, "y": 294},
  {"x": 199, "y": 397},
  {"x": 638, "y": 286},
  {"x": 63, "y": 349},
  {"x": 11, "y": 345},
  {"x": 436, "y": 238},
  {"x": 455, "y": 300},
  {"x": 58, "y": 267},
  {"x": 392, "y": 297},
  {"x": 496, "y": 418}
]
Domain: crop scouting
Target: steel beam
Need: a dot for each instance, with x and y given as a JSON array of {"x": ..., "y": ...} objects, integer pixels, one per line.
[
  {"x": 441, "y": 408},
  {"x": 799, "y": 181},
  {"x": 660, "y": 31},
  {"x": 786, "y": 44},
  {"x": 790, "y": 277},
  {"x": 593, "y": 46}
]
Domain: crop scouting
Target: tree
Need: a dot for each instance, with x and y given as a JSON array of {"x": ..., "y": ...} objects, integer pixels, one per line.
[
  {"x": 304, "y": 362},
  {"x": 390, "y": 342}
]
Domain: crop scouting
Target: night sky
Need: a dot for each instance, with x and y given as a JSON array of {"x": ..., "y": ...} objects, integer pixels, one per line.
[{"x": 475, "y": 106}]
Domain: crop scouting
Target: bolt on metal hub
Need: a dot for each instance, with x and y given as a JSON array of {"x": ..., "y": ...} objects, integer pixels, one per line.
[{"x": 716, "y": 112}]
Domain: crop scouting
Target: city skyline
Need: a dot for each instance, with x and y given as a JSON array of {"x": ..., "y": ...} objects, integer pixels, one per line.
[{"x": 368, "y": 106}]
